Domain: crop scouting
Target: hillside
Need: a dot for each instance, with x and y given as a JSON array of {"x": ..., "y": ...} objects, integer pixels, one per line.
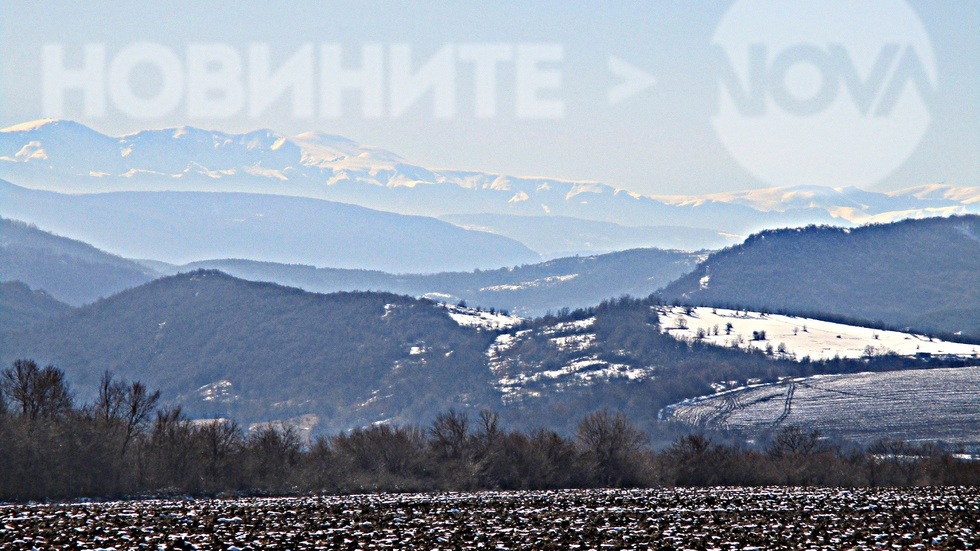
[
  {"x": 800, "y": 337},
  {"x": 69, "y": 270},
  {"x": 526, "y": 290},
  {"x": 923, "y": 405},
  {"x": 180, "y": 227},
  {"x": 923, "y": 274},
  {"x": 78, "y": 273},
  {"x": 556, "y": 236},
  {"x": 255, "y": 352},
  {"x": 22, "y": 307},
  {"x": 224, "y": 347}
]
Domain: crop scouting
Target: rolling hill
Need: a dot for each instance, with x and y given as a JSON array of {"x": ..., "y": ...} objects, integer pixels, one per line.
[
  {"x": 69, "y": 270},
  {"x": 22, "y": 307},
  {"x": 922, "y": 274},
  {"x": 223, "y": 347},
  {"x": 79, "y": 273},
  {"x": 557, "y": 236},
  {"x": 180, "y": 227},
  {"x": 526, "y": 290},
  {"x": 919, "y": 405}
]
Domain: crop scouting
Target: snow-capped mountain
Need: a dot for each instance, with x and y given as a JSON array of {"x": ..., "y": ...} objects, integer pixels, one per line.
[
  {"x": 849, "y": 204},
  {"x": 68, "y": 156}
]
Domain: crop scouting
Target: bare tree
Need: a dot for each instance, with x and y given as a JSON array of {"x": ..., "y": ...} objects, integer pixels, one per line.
[
  {"x": 40, "y": 393},
  {"x": 797, "y": 454},
  {"x": 450, "y": 432},
  {"x": 612, "y": 445},
  {"x": 108, "y": 405}
]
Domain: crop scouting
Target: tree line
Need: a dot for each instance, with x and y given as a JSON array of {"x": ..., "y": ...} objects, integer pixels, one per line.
[{"x": 124, "y": 444}]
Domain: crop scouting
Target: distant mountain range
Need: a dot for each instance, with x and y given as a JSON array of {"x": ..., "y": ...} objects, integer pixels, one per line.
[
  {"x": 527, "y": 290},
  {"x": 922, "y": 274},
  {"x": 322, "y": 213},
  {"x": 78, "y": 273},
  {"x": 67, "y": 156},
  {"x": 180, "y": 227},
  {"x": 557, "y": 236}
]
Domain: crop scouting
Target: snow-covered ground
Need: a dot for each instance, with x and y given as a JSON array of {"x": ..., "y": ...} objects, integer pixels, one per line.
[
  {"x": 575, "y": 341},
  {"x": 471, "y": 317},
  {"x": 919, "y": 405},
  {"x": 218, "y": 391},
  {"x": 799, "y": 337},
  {"x": 550, "y": 281}
]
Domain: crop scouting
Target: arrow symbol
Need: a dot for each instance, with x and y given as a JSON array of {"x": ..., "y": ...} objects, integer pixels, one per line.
[{"x": 632, "y": 80}]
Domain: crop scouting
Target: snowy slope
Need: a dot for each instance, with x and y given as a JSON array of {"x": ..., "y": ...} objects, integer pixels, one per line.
[
  {"x": 847, "y": 203},
  {"x": 922, "y": 405},
  {"x": 483, "y": 319},
  {"x": 522, "y": 378},
  {"x": 800, "y": 337}
]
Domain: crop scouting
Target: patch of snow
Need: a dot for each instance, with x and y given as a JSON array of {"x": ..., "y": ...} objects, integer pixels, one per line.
[
  {"x": 439, "y": 297},
  {"x": 32, "y": 151},
  {"x": 265, "y": 172},
  {"x": 542, "y": 282},
  {"x": 519, "y": 197},
  {"x": 574, "y": 343},
  {"x": 703, "y": 282},
  {"x": 218, "y": 391},
  {"x": 471, "y": 317},
  {"x": 579, "y": 372},
  {"x": 801, "y": 337}
]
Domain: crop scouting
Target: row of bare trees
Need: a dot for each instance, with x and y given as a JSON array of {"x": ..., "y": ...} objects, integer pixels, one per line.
[{"x": 123, "y": 444}]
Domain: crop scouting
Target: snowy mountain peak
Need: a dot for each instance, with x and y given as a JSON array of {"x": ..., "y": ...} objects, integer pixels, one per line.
[
  {"x": 321, "y": 148},
  {"x": 33, "y": 126},
  {"x": 966, "y": 195}
]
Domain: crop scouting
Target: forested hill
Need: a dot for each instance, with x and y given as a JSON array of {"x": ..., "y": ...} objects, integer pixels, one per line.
[
  {"x": 225, "y": 347},
  {"x": 923, "y": 274},
  {"x": 20, "y": 306},
  {"x": 69, "y": 270},
  {"x": 228, "y": 348},
  {"x": 527, "y": 290}
]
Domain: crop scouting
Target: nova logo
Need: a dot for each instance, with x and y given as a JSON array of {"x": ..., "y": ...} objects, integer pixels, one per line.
[
  {"x": 835, "y": 71},
  {"x": 827, "y": 93}
]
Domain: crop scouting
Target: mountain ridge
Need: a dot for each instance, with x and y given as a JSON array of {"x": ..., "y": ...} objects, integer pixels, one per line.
[
  {"x": 70, "y": 270},
  {"x": 179, "y": 227},
  {"x": 320, "y": 165}
]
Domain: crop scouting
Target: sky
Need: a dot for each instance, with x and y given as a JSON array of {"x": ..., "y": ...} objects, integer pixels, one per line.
[{"x": 658, "y": 97}]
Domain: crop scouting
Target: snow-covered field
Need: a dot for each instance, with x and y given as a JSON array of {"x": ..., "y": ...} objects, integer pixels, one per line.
[
  {"x": 791, "y": 336},
  {"x": 921, "y": 405},
  {"x": 663, "y": 518}
]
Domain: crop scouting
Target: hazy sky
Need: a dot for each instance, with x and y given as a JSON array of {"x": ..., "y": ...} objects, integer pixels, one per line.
[{"x": 548, "y": 110}]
